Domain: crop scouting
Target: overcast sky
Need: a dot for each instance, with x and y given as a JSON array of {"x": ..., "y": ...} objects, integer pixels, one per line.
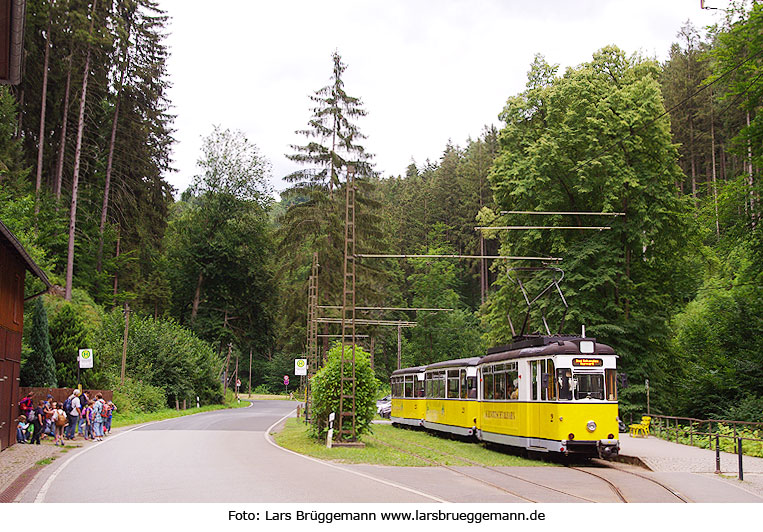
[{"x": 427, "y": 71}]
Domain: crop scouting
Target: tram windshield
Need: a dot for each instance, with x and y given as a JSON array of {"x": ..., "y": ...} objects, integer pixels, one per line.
[{"x": 589, "y": 386}]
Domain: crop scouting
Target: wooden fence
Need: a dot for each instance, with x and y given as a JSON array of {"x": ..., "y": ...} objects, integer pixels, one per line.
[{"x": 60, "y": 394}]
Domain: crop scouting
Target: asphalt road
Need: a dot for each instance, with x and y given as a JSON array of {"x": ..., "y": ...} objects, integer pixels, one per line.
[
  {"x": 220, "y": 456},
  {"x": 226, "y": 456}
]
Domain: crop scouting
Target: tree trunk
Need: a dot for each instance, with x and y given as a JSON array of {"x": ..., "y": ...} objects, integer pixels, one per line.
[
  {"x": 62, "y": 145},
  {"x": 116, "y": 273},
  {"x": 197, "y": 297},
  {"x": 107, "y": 186},
  {"x": 750, "y": 180},
  {"x": 110, "y": 165},
  {"x": 75, "y": 177},
  {"x": 41, "y": 138},
  {"x": 713, "y": 170}
]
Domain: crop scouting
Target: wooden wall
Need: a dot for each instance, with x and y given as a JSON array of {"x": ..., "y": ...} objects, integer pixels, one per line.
[{"x": 12, "y": 272}]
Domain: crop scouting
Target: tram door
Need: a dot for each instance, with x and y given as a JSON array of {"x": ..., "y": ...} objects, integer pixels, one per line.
[{"x": 534, "y": 405}]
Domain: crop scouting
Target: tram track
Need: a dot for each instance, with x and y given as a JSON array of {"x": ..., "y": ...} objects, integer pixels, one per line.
[
  {"x": 617, "y": 490},
  {"x": 488, "y": 468},
  {"x": 610, "y": 465}
]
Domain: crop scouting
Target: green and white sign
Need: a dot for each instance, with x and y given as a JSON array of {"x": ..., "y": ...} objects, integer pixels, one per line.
[
  {"x": 85, "y": 358},
  {"x": 300, "y": 366}
]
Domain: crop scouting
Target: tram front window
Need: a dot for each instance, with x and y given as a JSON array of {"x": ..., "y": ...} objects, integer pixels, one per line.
[{"x": 589, "y": 386}]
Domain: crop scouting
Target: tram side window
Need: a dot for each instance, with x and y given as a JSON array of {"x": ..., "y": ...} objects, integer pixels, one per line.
[
  {"x": 512, "y": 380},
  {"x": 488, "y": 391},
  {"x": 453, "y": 384},
  {"x": 428, "y": 385},
  {"x": 534, "y": 366},
  {"x": 564, "y": 379},
  {"x": 409, "y": 386},
  {"x": 419, "y": 385},
  {"x": 500, "y": 386},
  {"x": 462, "y": 380},
  {"x": 551, "y": 381},
  {"x": 611, "y": 376},
  {"x": 471, "y": 385},
  {"x": 441, "y": 384}
]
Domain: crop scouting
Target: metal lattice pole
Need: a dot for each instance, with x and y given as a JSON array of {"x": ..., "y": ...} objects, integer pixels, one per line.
[
  {"x": 347, "y": 375},
  {"x": 312, "y": 335}
]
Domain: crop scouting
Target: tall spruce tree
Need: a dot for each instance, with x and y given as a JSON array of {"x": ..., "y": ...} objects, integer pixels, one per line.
[
  {"x": 315, "y": 219},
  {"x": 39, "y": 369}
]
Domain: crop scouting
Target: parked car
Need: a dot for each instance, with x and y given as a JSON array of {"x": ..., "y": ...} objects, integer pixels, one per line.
[{"x": 384, "y": 406}]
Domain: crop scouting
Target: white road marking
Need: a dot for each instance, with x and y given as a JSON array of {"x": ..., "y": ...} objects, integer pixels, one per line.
[
  {"x": 358, "y": 473},
  {"x": 45, "y": 487}
]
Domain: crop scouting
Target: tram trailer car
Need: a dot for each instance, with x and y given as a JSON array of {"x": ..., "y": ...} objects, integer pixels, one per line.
[
  {"x": 552, "y": 394},
  {"x": 408, "y": 398}
]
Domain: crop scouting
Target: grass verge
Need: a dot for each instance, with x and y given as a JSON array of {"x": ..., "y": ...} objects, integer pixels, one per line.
[{"x": 377, "y": 451}]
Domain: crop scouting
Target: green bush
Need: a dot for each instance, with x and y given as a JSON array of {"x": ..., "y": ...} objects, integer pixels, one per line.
[
  {"x": 136, "y": 396},
  {"x": 161, "y": 354},
  {"x": 326, "y": 389}
]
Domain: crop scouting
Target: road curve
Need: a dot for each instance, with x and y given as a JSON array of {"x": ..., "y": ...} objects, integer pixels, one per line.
[{"x": 220, "y": 456}]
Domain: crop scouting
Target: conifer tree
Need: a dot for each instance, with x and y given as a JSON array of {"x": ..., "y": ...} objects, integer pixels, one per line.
[
  {"x": 39, "y": 369},
  {"x": 315, "y": 221}
]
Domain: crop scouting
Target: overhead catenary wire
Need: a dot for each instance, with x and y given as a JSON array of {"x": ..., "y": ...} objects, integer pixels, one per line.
[
  {"x": 528, "y": 227},
  {"x": 504, "y": 257}
]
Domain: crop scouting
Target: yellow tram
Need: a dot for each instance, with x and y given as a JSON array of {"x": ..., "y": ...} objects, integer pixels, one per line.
[{"x": 553, "y": 394}]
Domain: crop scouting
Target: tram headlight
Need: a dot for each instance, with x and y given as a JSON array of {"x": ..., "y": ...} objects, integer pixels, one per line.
[{"x": 591, "y": 426}]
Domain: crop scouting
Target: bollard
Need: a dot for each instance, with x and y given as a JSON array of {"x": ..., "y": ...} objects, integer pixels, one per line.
[
  {"x": 739, "y": 451},
  {"x": 717, "y": 455}
]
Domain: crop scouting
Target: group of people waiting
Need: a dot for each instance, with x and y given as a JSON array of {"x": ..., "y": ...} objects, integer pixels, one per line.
[{"x": 78, "y": 413}]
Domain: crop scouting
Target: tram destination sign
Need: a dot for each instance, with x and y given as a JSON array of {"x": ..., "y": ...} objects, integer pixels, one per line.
[{"x": 587, "y": 362}]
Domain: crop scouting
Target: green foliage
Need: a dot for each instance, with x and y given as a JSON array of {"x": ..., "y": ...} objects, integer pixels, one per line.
[
  {"x": 39, "y": 368},
  {"x": 439, "y": 335},
  {"x": 135, "y": 396},
  {"x": 591, "y": 141},
  {"x": 326, "y": 390},
  {"x": 162, "y": 354},
  {"x": 72, "y": 330}
]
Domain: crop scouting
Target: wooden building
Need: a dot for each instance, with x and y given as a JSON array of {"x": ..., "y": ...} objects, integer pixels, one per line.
[{"x": 14, "y": 263}]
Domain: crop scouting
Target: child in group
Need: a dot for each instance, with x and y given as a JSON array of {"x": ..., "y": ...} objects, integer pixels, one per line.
[
  {"x": 111, "y": 408},
  {"x": 87, "y": 417},
  {"x": 59, "y": 422},
  {"x": 21, "y": 429}
]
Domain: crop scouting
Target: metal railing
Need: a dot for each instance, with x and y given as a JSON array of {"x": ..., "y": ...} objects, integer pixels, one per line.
[{"x": 674, "y": 427}]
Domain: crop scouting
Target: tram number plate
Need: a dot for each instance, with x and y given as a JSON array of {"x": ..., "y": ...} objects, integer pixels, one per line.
[{"x": 587, "y": 362}]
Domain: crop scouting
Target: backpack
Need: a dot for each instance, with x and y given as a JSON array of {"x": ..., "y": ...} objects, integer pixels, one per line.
[
  {"x": 61, "y": 418},
  {"x": 68, "y": 405}
]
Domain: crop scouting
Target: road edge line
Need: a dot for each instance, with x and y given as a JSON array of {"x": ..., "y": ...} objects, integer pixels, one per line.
[
  {"x": 358, "y": 473},
  {"x": 40, "y": 497}
]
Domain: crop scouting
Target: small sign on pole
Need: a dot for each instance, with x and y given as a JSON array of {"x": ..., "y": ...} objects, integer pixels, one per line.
[
  {"x": 300, "y": 366},
  {"x": 85, "y": 358},
  {"x": 286, "y": 382}
]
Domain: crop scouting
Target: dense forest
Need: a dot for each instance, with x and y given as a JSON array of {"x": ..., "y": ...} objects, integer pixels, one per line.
[{"x": 219, "y": 272}]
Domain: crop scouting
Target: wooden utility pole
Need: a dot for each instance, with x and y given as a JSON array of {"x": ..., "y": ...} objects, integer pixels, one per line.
[
  {"x": 250, "y": 372},
  {"x": 124, "y": 343},
  {"x": 225, "y": 373}
]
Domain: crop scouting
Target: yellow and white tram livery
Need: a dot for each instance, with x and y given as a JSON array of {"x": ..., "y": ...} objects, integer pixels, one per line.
[
  {"x": 408, "y": 397},
  {"x": 553, "y": 394}
]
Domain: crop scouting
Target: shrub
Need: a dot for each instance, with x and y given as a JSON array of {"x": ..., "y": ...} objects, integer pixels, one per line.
[
  {"x": 136, "y": 396},
  {"x": 326, "y": 389},
  {"x": 162, "y": 354}
]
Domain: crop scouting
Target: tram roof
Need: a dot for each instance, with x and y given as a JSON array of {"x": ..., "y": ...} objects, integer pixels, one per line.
[
  {"x": 407, "y": 371},
  {"x": 472, "y": 361},
  {"x": 544, "y": 346}
]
